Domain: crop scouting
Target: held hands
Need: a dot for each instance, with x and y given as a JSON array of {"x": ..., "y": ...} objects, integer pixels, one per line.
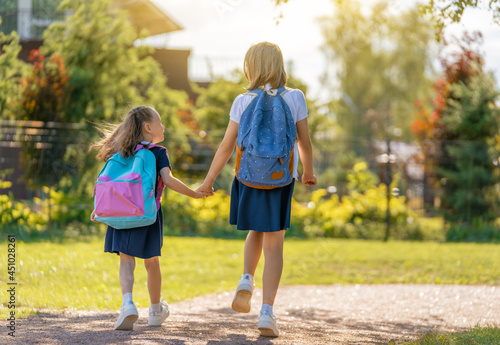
[
  {"x": 309, "y": 180},
  {"x": 206, "y": 189},
  {"x": 199, "y": 195}
]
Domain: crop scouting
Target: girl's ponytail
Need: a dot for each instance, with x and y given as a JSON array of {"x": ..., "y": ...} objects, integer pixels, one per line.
[{"x": 125, "y": 136}]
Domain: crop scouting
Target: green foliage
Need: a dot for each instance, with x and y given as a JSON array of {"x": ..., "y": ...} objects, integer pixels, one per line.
[
  {"x": 443, "y": 12},
  {"x": 459, "y": 136},
  {"x": 381, "y": 69},
  {"x": 12, "y": 72},
  {"x": 107, "y": 71},
  {"x": 42, "y": 99},
  {"x": 480, "y": 335},
  {"x": 107, "y": 75},
  {"x": 207, "y": 216},
  {"x": 470, "y": 111},
  {"x": 360, "y": 179},
  {"x": 358, "y": 215},
  {"x": 476, "y": 231},
  {"x": 16, "y": 217},
  {"x": 49, "y": 272},
  {"x": 56, "y": 215},
  {"x": 467, "y": 181},
  {"x": 214, "y": 103},
  {"x": 471, "y": 115}
]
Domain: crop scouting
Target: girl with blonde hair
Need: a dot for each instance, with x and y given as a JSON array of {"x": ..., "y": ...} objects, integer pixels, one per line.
[{"x": 264, "y": 213}]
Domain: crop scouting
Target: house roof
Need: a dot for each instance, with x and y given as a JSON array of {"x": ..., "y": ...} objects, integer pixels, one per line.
[{"x": 145, "y": 14}]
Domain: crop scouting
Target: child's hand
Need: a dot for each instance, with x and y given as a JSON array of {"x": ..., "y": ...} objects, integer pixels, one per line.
[
  {"x": 309, "y": 180},
  {"x": 92, "y": 217},
  {"x": 205, "y": 188},
  {"x": 199, "y": 195}
]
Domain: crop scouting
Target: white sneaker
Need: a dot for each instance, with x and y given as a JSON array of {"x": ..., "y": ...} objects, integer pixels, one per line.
[
  {"x": 243, "y": 296},
  {"x": 157, "y": 318},
  {"x": 267, "y": 325},
  {"x": 128, "y": 315}
]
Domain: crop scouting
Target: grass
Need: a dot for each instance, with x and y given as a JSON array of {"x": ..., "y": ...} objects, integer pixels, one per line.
[
  {"x": 78, "y": 275},
  {"x": 478, "y": 335}
]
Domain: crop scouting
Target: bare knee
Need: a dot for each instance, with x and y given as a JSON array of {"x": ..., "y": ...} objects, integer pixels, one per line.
[
  {"x": 152, "y": 263},
  {"x": 255, "y": 236},
  {"x": 127, "y": 260},
  {"x": 273, "y": 241}
]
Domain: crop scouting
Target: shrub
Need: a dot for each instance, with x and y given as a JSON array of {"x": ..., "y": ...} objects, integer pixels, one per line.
[
  {"x": 17, "y": 217},
  {"x": 478, "y": 231},
  {"x": 358, "y": 215}
]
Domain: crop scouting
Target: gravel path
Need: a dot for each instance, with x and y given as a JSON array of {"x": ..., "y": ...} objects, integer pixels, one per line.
[{"x": 335, "y": 314}]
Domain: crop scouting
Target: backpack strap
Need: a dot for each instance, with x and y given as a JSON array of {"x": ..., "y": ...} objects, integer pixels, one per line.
[
  {"x": 283, "y": 90},
  {"x": 145, "y": 145},
  {"x": 160, "y": 186}
]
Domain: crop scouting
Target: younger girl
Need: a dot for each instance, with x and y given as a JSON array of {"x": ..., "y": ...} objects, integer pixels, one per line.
[
  {"x": 264, "y": 213},
  {"x": 142, "y": 125}
]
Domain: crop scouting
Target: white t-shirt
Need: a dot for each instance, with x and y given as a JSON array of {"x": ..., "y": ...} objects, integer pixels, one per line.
[{"x": 296, "y": 102}]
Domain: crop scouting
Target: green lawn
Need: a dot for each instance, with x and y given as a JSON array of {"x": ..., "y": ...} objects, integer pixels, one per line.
[
  {"x": 477, "y": 335},
  {"x": 79, "y": 275}
]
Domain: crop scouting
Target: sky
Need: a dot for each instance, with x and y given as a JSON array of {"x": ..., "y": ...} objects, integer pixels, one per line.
[{"x": 223, "y": 30}]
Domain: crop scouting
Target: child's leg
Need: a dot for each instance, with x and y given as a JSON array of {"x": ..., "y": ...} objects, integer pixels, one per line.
[
  {"x": 127, "y": 266},
  {"x": 158, "y": 310},
  {"x": 273, "y": 267},
  {"x": 253, "y": 250},
  {"x": 154, "y": 279},
  {"x": 128, "y": 314}
]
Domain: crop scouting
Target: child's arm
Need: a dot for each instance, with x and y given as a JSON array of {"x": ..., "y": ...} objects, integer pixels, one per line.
[
  {"x": 306, "y": 153},
  {"x": 178, "y": 186},
  {"x": 224, "y": 152}
]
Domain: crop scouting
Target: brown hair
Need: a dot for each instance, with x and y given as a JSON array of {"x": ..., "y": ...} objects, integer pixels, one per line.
[
  {"x": 123, "y": 137},
  {"x": 264, "y": 64}
]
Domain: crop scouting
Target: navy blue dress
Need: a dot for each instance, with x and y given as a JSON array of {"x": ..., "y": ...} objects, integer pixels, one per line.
[
  {"x": 262, "y": 210},
  {"x": 143, "y": 242}
]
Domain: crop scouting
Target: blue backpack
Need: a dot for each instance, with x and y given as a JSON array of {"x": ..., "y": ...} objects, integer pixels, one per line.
[
  {"x": 265, "y": 142},
  {"x": 124, "y": 192}
]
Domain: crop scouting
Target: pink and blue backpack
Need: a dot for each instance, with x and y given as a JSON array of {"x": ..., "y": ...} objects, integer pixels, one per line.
[{"x": 125, "y": 195}]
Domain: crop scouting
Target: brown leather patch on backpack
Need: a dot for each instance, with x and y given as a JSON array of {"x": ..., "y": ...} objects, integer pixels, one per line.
[{"x": 277, "y": 175}]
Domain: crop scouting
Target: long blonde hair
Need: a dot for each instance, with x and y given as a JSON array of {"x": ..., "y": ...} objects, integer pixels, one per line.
[
  {"x": 123, "y": 137},
  {"x": 264, "y": 64}
]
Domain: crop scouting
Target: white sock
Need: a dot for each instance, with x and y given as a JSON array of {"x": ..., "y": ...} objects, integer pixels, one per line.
[
  {"x": 155, "y": 307},
  {"x": 268, "y": 308},
  {"x": 127, "y": 298}
]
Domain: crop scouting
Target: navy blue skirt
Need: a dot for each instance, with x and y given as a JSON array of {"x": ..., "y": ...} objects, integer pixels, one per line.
[
  {"x": 262, "y": 210},
  {"x": 144, "y": 242}
]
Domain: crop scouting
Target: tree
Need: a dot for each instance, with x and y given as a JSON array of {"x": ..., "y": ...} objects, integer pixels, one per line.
[
  {"x": 214, "y": 103},
  {"x": 108, "y": 74},
  {"x": 42, "y": 100},
  {"x": 443, "y": 12},
  {"x": 12, "y": 71},
  {"x": 452, "y": 11},
  {"x": 382, "y": 63},
  {"x": 107, "y": 71},
  {"x": 459, "y": 133}
]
